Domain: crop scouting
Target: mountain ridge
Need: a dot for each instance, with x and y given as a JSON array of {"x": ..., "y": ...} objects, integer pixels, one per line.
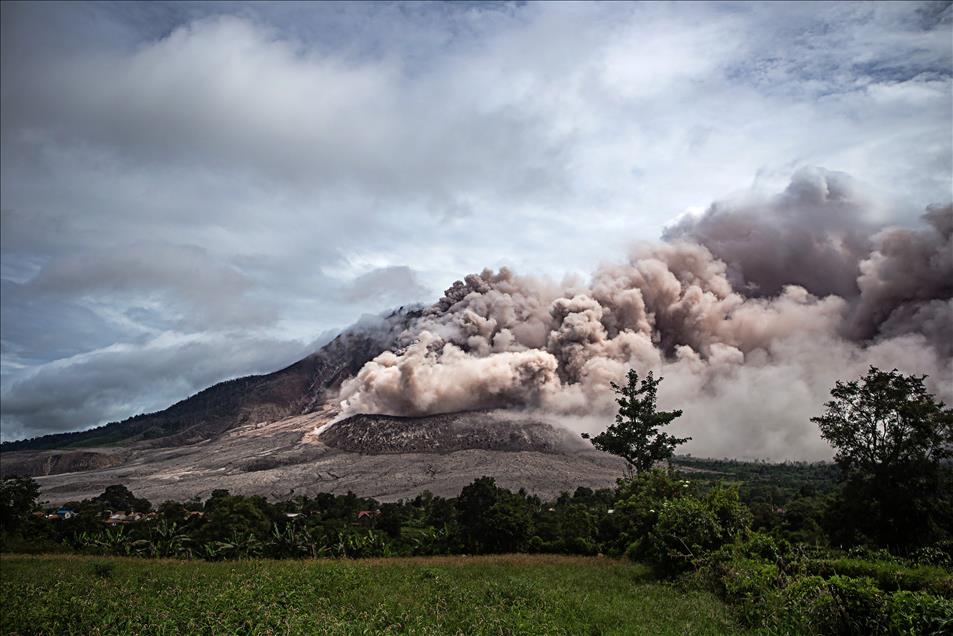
[{"x": 296, "y": 389}]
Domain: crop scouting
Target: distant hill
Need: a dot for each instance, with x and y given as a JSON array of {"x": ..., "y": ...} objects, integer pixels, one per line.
[{"x": 294, "y": 390}]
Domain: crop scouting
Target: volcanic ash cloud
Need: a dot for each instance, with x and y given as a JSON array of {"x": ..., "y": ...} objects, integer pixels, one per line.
[{"x": 750, "y": 333}]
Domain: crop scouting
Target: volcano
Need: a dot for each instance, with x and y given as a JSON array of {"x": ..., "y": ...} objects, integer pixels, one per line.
[{"x": 281, "y": 434}]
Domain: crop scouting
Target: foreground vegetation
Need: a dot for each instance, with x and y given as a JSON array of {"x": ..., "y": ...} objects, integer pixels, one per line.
[
  {"x": 438, "y": 595},
  {"x": 688, "y": 542}
]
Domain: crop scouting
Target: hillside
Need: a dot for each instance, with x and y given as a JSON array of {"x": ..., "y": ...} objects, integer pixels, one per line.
[{"x": 297, "y": 389}]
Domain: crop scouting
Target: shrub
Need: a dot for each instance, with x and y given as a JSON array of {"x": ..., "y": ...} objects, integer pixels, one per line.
[
  {"x": 686, "y": 531},
  {"x": 860, "y": 606},
  {"x": 641, "y": 498},
  {"x": 839, "y": 606},
  {"x": 734, "y": 518},
  {"x": 939, "y": 554},
  {"x": 765, "y": 547},
  {"x": 918, "y": 613},
  {"x": 888, "y": 576},
  {"x": 535, "y": 545},
  {"x": 805, "y": 606},
  {"x": 751, "y": 585}
]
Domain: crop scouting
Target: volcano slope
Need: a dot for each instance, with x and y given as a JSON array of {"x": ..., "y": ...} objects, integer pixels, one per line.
[{"x": 377, "y": 456}]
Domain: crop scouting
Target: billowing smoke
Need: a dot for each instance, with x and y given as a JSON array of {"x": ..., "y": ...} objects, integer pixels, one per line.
[{"x": 750, "y": 312}]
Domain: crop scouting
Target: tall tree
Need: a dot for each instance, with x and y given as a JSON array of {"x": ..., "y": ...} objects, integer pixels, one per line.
[
  {"x": 18, "y": 498},
  {"x": 635, "y": 436},
  {"x": 891, "y": 440}
]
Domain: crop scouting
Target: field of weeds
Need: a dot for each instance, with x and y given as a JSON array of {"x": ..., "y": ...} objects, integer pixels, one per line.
[{"x": 516, "y": 594}]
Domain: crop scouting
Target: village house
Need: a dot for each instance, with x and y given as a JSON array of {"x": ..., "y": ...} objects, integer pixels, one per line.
[{"x": 120, "y": 518}]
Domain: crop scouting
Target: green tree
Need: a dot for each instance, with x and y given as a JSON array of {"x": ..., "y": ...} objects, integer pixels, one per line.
[
  {"x": 891, "y": 440},
  {"x": 635, "y": 436},
  {"x": 18, "y": 497},
  {"x": 119, "y": 498},
  {"x": 493, "y": 518}
]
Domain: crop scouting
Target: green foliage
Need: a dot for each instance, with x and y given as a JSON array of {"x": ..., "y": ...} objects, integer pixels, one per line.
[
  {"x": 674, "y": 527},
  {"x": 750, "y": 585},
  {"x": 940, "y": 554},
  {"x": 18, "y": 498},
  {"x": 686, "y": 531},
  {"x": 493, "y": 519},
  {"x": 886, "y": 419},
  {"x": 635, "y": 436},
  {"x": 681, "y": 524},
  {"x": 118, "y": 498},
  {"x": 919, "y": 614},
  {"x": 889, "y": 575},
  {"x": 778, "y": 587},
  {"x": 641, "y": 498},
  {"x": 804, "y": 606},
  {"x": 891, "y": 439}
]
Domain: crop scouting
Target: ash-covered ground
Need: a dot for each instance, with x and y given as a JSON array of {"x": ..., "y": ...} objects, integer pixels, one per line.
[{"x": 373, "y": 456}]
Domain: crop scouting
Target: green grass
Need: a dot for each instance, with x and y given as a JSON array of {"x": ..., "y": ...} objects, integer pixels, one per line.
[{"x": 452, "y": 595}]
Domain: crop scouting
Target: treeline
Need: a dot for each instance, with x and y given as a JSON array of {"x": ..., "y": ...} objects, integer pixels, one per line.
[{"x": 483, "y": 519}]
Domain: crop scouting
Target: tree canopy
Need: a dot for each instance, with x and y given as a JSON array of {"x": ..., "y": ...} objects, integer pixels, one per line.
[
  {"x": 891, "y": 441},
  {"x": 635, "y": 435},
  {"x": 884, "y": 420}
]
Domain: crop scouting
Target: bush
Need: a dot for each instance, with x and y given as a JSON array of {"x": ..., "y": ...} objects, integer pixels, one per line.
[
  {"x": 686, "y": 531},
  {"x": 939, "y": 554},
  {"x": 844, "y": 605},
  {"x": 860, "y": 606},
  {"x": 641, "y": 498},
  {"x": 689, "y": 529},
  {"x": 804, "y": 606},
  {"x": 918, "y": 613},
  {"x": 889, "y": 576},
  {"x": 774, "y": 585},
  {"x": 839, "y": 606},
  {"x": 751, "y": 585}
]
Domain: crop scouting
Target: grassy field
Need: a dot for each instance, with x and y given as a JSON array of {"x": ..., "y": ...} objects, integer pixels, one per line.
[{"x": 452, "y": 595}]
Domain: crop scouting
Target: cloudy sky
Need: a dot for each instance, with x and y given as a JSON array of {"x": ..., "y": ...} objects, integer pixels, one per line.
[{"x": 193, "y": 192}]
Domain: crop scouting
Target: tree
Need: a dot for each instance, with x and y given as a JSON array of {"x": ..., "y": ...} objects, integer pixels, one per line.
[
  {"x": 891, "y": 440},
  {"x": 493, "y": 519},
  {"x": 885, "y": 420},
  {"x": 18, "y": 497},
  {"x": 119, "y": 498},
  {"x": 635, "y": 436}
]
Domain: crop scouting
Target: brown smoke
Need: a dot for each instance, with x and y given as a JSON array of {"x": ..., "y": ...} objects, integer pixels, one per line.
[{"x": 749, "y": 334}]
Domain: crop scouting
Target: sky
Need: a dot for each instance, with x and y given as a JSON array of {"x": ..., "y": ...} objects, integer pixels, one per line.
[{"x": 193, "y": 192}]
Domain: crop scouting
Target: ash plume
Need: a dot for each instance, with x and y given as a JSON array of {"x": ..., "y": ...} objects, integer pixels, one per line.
[{"x": 750, "y": 312}]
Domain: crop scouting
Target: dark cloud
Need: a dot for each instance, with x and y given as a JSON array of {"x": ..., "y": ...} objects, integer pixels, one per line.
[
  {"x": 813, "y": 234},
  {"x": 820, "y": 234},
  {"x": 37, "y": 330},
  {"x": 906, "y": 283}
]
